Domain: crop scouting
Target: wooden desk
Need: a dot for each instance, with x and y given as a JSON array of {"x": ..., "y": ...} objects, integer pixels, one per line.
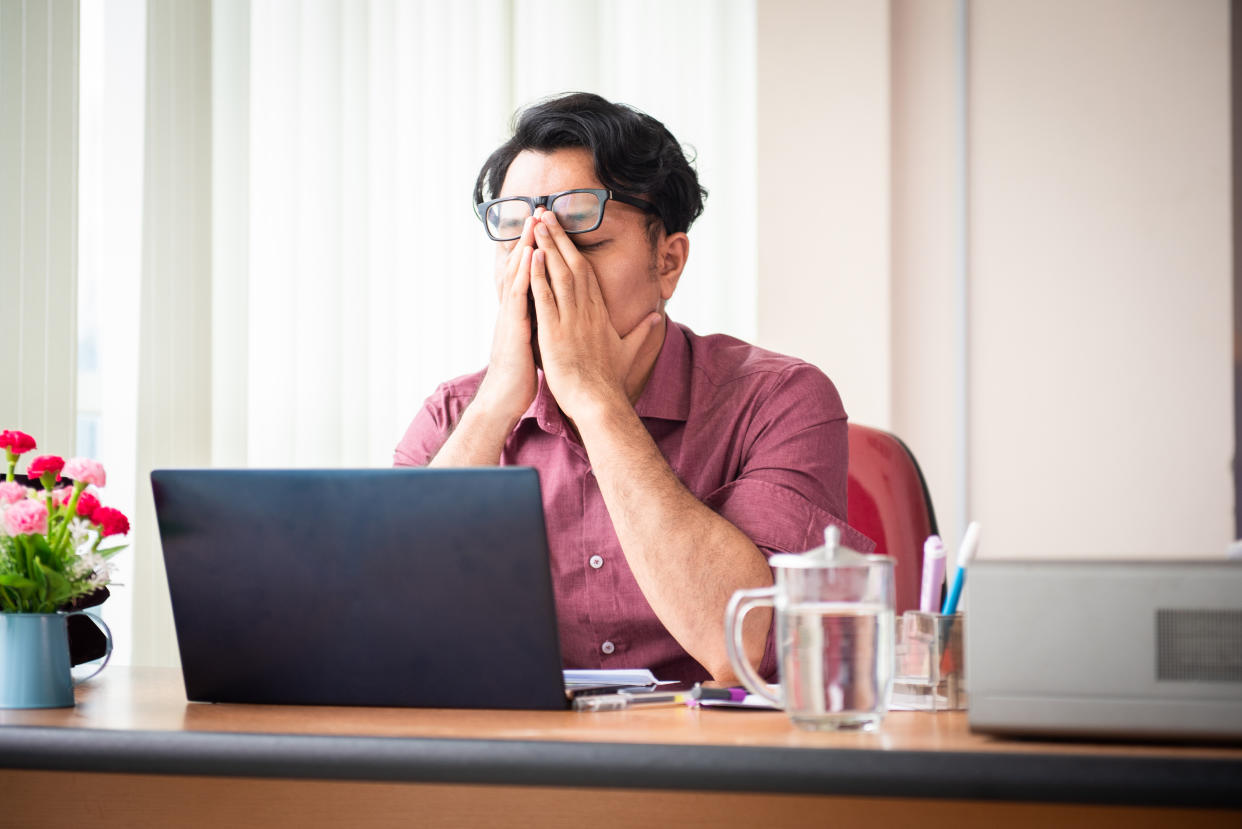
[{"x": 135, "y": 752}]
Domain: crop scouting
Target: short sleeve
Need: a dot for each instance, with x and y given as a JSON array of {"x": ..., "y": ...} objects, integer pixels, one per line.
[
  {"x": 791, "y": 483},
  {"x": 430, "y": 427},
  {"x": 780, "y": 519}
]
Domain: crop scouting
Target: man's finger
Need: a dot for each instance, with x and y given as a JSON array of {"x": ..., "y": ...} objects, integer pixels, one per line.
[
  {"x": 520, "y": 283},
  {"x": 514, "y": 257},
  {"x": 564, "y": 245},
  {"x": 560, "y": 273},
  {"x": 584, "y": 281},
  {"x": 634, "y": 340},
  {"x": 541, "y": 289}
]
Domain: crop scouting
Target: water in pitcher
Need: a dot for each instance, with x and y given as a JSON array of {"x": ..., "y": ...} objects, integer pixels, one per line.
[{"x": 837, "y": 662}]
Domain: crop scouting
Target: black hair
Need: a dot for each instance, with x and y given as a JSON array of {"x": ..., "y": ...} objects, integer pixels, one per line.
[{"x": 634, "y": 153}]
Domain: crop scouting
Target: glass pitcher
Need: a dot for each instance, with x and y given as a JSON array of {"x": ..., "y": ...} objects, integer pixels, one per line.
[{"x": 834, "y": 617}]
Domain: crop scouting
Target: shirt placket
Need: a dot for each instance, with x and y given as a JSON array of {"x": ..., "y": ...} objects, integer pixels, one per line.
[{"x": 600, "y": 564}]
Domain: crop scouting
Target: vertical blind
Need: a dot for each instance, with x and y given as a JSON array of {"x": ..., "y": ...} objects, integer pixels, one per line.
[{"x": 38, "y": 219}]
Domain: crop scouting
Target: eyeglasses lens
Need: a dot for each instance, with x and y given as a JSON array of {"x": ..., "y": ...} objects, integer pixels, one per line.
[
  {"x": 577, "y": 212},
  {"x": 505, "y": 218}
]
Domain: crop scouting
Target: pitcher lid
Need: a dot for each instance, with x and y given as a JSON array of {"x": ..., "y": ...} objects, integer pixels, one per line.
[{"x": 832, "y": 554}]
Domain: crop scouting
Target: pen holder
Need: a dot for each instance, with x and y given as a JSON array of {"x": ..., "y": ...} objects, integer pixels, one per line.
[{"x": 931, "y": 671}]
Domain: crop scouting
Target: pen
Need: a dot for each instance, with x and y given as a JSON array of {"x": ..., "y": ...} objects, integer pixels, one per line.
[
  {"x": 619, "y": 702},
  {"x": 970, "y": 542},
  {"x": 933, "y": 573}
]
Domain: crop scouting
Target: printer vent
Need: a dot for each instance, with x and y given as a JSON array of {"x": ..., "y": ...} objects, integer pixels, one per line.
[{"x": 1199, "y": 645}]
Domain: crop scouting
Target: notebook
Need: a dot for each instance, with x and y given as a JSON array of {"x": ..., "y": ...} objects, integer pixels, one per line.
[{"x": 393, "y": 587}]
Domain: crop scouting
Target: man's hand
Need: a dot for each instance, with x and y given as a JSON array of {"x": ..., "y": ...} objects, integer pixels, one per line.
[
  {"x": 510, "y": 383},
  {"x": 586, "y": 362}
]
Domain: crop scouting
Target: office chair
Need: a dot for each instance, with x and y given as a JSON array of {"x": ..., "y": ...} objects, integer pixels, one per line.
[{"x": 890, "y": 504}]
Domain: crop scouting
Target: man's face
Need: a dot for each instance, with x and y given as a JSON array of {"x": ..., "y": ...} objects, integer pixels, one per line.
[{"x": 620, "y": 250}]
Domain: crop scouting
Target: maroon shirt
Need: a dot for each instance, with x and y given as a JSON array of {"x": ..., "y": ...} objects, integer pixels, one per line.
[{"x": 757, "y": 436}]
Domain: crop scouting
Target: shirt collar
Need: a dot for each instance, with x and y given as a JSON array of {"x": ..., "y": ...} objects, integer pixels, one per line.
[
  {"x": 543, "y": 409},
  {"x": 667, "y": 393}
]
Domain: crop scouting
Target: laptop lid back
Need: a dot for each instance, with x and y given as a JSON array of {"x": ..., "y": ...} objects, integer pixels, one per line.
[{"x": 397, "y": 587}]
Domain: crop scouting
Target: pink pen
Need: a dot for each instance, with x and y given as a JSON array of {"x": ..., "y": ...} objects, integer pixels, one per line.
[{"x": 933, "y": 574}]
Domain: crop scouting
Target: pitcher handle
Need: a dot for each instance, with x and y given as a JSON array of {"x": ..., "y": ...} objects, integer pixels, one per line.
[
  {"x": 742, "y": 602},
  {"x": 107, "y": 633}
]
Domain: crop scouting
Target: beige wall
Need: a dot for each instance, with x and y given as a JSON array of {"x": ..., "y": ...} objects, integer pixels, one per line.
[
  {"x": 823, "y": 115},
  {"x": 1099, "y": 257}
]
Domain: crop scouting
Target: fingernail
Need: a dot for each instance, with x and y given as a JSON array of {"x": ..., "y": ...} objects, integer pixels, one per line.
[
  {"x": 549, "y": 217},
  {"x": 541, "y": 230}
]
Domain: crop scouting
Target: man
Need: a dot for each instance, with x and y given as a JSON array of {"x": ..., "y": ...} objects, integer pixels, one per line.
[{"x": 671, "y": 464}]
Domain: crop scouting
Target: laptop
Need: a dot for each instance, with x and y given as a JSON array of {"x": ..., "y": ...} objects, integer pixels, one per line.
[{"x": 378, "y": 587}]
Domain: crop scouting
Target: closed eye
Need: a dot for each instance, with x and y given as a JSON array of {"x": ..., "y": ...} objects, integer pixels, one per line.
[{"x": 585, "y": 248}]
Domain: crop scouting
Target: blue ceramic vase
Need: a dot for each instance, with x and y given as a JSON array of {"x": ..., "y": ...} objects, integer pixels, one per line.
[{"x": 34, "y": 659}]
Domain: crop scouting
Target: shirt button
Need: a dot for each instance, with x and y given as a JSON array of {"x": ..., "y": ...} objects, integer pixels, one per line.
[
  {"x": 597, "y": 562},
  {"x": 608, "y": 647}
]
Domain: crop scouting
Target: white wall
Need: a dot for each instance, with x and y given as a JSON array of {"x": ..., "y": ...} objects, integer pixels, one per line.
[{"x": 1099, "y": 255}]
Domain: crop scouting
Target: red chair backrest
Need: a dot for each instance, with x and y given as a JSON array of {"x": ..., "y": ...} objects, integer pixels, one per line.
[{"x": 889, "y": 504}]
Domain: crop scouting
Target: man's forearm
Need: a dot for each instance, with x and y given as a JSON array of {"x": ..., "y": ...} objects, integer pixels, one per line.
[
  {"x": 477, "y": 439},
  {"x": 687, "y": 559}
]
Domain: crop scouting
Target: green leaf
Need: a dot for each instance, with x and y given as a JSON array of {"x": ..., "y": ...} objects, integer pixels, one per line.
[
  {"x": 59, "y": 588},
  {"x": 25, "y": 558},
  {"x": 36, "y": 571},
  {"x": 32, "y": 559},
  {"x": 14, "y": 580},
  {"x": 108, "y": 552},
  {"x": 40, "y": 545},
  {"x": 44, "y": 551}
]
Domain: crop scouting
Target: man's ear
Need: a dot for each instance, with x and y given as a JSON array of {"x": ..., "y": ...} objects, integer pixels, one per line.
[{"x": 671, "y": 254}]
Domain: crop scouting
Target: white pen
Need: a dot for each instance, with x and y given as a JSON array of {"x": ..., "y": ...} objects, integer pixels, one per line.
[
  {"x": 933, "y": 574},
  {"x": 618, "y": 702}
]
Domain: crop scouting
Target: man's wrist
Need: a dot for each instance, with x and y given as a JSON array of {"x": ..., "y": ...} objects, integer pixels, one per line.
[
  {"x": 604, "y": 411},
  {"x": 484, "y": 416}
]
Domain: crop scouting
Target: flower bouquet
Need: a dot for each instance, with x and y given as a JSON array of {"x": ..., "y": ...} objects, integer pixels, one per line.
[{"x": 50, "y": 538}]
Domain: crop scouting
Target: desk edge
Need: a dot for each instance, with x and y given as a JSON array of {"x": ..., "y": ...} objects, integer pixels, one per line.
[{"x": 1010, "y": 776}]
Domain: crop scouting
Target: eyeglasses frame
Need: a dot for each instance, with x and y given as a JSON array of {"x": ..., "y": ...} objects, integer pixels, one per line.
[{"x": 604, "y": 195}]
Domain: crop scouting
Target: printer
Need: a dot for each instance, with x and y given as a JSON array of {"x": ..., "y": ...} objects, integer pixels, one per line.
[{"x": 1134, "y": 649}]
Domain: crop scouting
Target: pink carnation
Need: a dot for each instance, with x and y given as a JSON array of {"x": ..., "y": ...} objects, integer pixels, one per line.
[
  {"x": 45, "y": 465},
  {"x": 61, "y": 495},
  {"x": 86, "y": 471},
  {"x": 16, "y": 442},
  {"x": 26, "y": 518},
  {"x": 87, "y": 504},
  {"x": 111, "y": 521},
  {"x": 11, "y": 492}
]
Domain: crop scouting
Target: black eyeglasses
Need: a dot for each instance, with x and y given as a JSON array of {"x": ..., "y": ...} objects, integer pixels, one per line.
[{"x": 577, "y": 211}]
